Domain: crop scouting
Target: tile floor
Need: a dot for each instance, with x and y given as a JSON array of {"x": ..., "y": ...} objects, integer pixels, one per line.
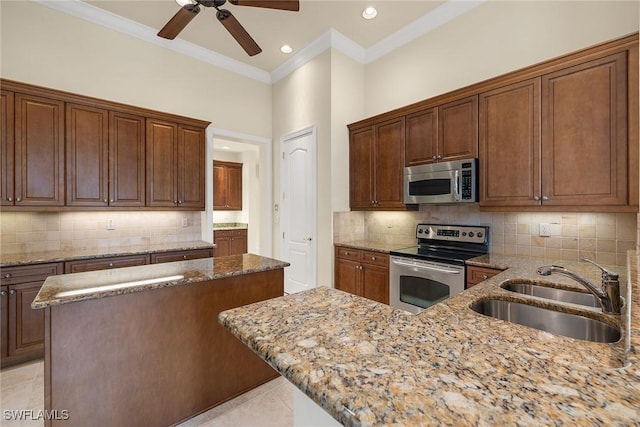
[{"x": 270, "y": 405}]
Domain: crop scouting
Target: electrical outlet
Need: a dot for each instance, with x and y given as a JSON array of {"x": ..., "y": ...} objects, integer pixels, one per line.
[
  {"x": 185, "y": 221},
  {"x": 545, "y": 229},
  {"x": 111, "y": 224}
]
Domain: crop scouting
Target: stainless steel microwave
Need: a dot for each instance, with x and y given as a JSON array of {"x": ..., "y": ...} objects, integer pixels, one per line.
[{"x": 442, "y": 183}]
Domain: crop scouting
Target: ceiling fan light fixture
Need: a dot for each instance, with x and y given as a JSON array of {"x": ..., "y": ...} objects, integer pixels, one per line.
[
  {"x": 183, "y": 3},
  {"x": 369, "y": 13},
  {"x": 285, "y": 48}
]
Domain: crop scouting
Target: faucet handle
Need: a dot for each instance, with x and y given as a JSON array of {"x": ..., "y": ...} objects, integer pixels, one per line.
[{"x": 605, "y": 273}]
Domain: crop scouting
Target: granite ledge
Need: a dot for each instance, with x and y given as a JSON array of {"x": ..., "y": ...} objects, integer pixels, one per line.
[
  {"x": 221, "y": 226},
  {"x": 373, "y": 245},
  {"x": 69, "y": 288},
  {"x": 9, "y": 260}
]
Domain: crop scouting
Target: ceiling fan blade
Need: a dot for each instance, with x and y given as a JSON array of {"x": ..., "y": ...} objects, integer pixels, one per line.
[
  {"x": 293, "y": 5},
  {"x": 180, "y": 20},
  {"x": 238, "y": 32}
]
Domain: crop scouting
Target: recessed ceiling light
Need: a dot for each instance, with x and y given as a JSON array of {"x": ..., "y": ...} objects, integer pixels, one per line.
[
  {"x": 369, "y": 13},
  {"x": 285, "y": 48}
]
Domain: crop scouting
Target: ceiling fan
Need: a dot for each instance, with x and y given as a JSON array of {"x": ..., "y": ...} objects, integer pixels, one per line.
[{"x": 190, "y": 8}]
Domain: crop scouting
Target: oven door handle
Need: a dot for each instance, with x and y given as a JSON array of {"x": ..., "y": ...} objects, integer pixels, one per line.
[{"x": 425, "y": 267}]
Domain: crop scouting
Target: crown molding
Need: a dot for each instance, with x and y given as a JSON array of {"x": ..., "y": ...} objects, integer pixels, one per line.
[
  {"x": 329, "y": 39},
  {"x": 129, "y": 27}
]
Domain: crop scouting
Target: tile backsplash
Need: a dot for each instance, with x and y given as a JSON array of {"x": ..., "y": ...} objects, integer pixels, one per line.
[
  {"x": 604, "y": 237},
  {"x": 30, "y": 232}
]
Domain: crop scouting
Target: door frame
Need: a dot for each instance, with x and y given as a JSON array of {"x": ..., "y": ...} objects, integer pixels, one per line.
[{"x": 284, "y": 213}]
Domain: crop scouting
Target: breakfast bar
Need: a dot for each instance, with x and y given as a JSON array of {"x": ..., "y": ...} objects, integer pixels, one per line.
[
  {"x": 142, "y": 345},
  {"x": 366, "y": 363}
]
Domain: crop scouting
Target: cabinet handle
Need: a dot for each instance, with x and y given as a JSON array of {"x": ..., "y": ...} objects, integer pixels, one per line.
[
  {"x": 11, "y": 292},
  {"x": 536, "y": 198},
  {"x": 7, "y": 275},
  {"x": 545, "y": 198},
  {"x": 485, "y": 277},
  {"x": 3, "y": 293},
  {"x": 439, "y": 156},
  {"x": 435, "y": 157},
  {"x": 346, "y": 253}
]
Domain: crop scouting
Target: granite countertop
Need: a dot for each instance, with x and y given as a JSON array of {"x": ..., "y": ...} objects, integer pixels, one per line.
[
  {"x": 8, "y": 260},
  {"x": 230, "y": 226},
  {"x": 70, "y": 288},
  {"x": 367, "y": 363}
]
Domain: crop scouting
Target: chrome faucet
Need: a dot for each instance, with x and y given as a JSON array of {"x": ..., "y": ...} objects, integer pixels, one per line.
[{"x": 608, "y": 294}]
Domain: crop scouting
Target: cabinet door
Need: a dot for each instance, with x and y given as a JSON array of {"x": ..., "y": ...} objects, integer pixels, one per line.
[
  {"x": 126, "y": 160},
  {"x": 219, "y": 186},
  {"x": 4, "y": 321},
  {"x": 361, "y": 174},
  {"x": 458, "y": 129},
  {"x": 238, "y": 244},
  {"x": 162, "y": 163},
  {"x": 584, "y": 134},
  {"x": 26, "y": 331},
  {"x": 223, "y": 245},
  {"x": 234, "y": 187},
  {"x": 6, "y": 148},
  {"x": 476, "y": 275},
  {"x": 87, "y": 155},
  {"x": 389, "y": 164},
  {"x": 39, "y": 151},
  {"x": 191, "y": 161},
  {"x": 348, "y": 277},
  {"x": 510, "y": 145},
  {"x": 421, "y": 144},
  {"x": 375, "y": 283}
]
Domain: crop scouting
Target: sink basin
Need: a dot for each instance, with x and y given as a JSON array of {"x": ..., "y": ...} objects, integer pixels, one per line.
[
  {"x": 552, "y": 321},
  {"x": 555, "y": 294}
]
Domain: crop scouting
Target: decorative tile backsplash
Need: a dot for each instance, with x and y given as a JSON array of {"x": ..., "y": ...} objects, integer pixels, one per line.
[
  {"x": 29, "y": 232},
  {"x": 604, "y": 237}
]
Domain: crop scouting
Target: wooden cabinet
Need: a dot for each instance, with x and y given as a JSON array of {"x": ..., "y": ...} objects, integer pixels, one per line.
[
  {"x": 229, "y": 242},
  {"x": 510, "y": 145},
  {"x": 376, "y": 166},
  {"x": 6, "y": 148},
  {"x": 22, "y": 328},
  {"x": 579, "y": 158},
  {"x": 443, "y": 133},
  {"x": 95, "y": 264},
  {"x": 126, "y": 160},
  {"x": 361, "y": 272},
  {"x": 227, "y": 186},
  {"x": 175, "y": 165},
  {"x": 476, "y": 275},
  {"x": 181, "y": 255},
  {"x": 39, "y": 151}
]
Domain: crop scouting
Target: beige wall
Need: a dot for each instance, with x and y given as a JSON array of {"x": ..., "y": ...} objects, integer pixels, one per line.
[
  {"x": 494, "y": 38},
  {"x": 49, "y": 48}
]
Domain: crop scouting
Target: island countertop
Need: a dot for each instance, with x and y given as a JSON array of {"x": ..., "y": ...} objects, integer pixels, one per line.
[
  {"x": 68, "y": 288},
  {"x": 367, "y": 363}
]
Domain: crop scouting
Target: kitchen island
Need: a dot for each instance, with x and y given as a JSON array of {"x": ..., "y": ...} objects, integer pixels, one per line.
[
  {"x": 366, "y": 363},
  {"x": 142, "y": 345}
]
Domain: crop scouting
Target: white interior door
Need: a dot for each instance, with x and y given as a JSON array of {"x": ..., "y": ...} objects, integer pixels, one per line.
[{"x": 298, "y": 210}]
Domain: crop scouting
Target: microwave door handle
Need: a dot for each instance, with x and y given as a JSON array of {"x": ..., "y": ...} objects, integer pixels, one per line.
[
  {"x": 426, "y": 267},
  {"x": 456, "y": 179}
]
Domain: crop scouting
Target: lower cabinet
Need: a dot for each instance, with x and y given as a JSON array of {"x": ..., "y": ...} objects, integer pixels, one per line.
[
  {"x": 181, "y": 255},
  {"x": 230, "y": 242},
  {"x": 476, "y": 275},
  {"x": 361, "y": 272},
  {"x": 96, "y": 264},
  {"x": 22, "y": 328}
]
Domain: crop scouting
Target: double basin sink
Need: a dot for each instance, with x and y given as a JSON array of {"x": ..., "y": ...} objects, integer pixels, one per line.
[{"x": 546, "y": 319}]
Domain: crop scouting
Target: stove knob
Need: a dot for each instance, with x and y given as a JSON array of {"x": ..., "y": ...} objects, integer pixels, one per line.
[
  {"x": 479, "y": 234},
  {"x": 420, "y": 231},
  {"x": 471, "y": 234},
  {"x": 464, "y": 234}
]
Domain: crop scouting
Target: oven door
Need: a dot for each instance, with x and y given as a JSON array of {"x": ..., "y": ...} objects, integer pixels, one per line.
[{"x": 415, "y": 285}]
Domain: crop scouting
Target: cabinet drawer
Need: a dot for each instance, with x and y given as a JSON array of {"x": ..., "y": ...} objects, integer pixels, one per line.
[
  {"x": 105, "y": 263},
  {"x": 375, "y": 258},
  {"x": 348, "y": 253},
  {"x": 476, "y": 275},
  {"x": 30, "y": 273},
  {"x": 180, "y": 256}
]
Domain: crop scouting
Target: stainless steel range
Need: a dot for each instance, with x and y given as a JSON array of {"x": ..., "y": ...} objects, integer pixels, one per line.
[{"x": 423, "y": 275}]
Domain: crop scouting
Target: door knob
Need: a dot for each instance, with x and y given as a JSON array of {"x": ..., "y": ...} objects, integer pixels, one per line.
[{"x": 308, "y": 239}]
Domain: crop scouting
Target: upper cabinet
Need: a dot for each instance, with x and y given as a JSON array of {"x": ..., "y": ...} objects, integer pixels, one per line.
[
  {"x": 227, "y": 186},
  {"x": 443, "y": 133},
  {"x": 376, "y": 165},
  {"x": 61, "y": 150}
]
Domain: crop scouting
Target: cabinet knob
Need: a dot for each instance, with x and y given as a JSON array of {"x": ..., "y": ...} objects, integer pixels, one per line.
[
  {"x": 110, "y": 264},
  {"x": 536, "y": 198},
  {"x": 485, "y": 277},
  {"x": 175, "y": 202},
  {"x": 18, "y": 199},
  {"x": 3, "y": 293},
  {"x": 184, "y": 257},
  {"x": 10, "y": 199},
  {"x": 435, "y": 157},
  {"x": 12, "y": 291},
  {"x": 373, "y": 258},
  {"x": 545, "y": 198},
  {"x": 439, "y": 157},
  {"x": 7, "y": 275},
  {"x": 111, "y": 201},
  {"x": 346, "y": 253},
  {"x": 104, "y": 201},
  {"x": 179, "y": 202}
]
